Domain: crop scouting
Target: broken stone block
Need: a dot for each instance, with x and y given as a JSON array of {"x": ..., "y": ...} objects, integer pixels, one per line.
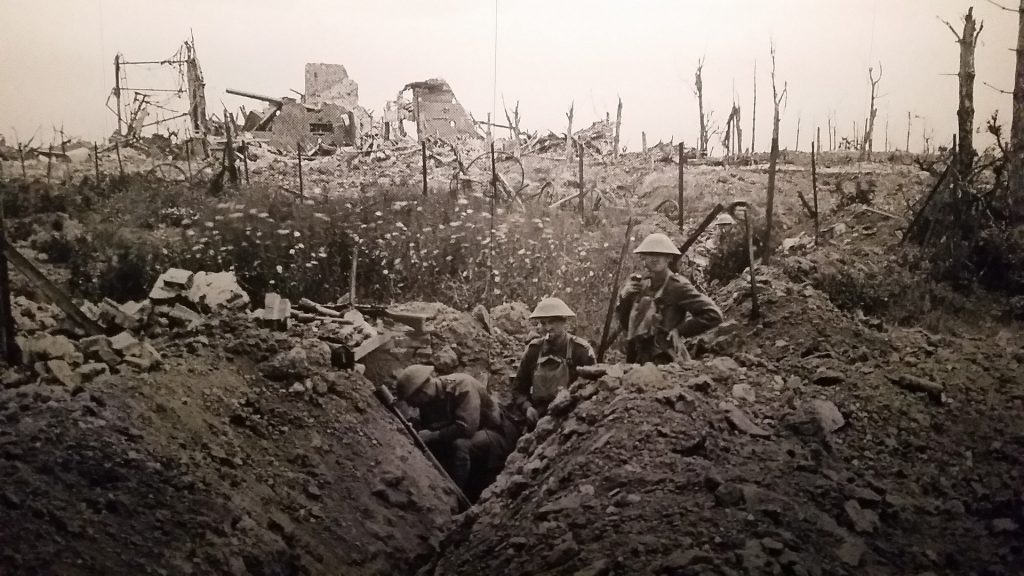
[
  {"x": 91, "y": 371},
  {"x": 136, "y": 314},
  {"x": 512, "y": 318},
  {"x": 125, "y": 344},
  {"x": 182, "y": 316},
  {"x": 63, "y": 373},
  {"x": 99, "y": 348},
  {"x": 172, "y": 284},
  {"x": 217, "y": 291},
  {"x": 481, "y": 315},
  {"x": 47, "y": 347},
  {"x": 276, "y": 311},
  {"x": 147, "y": 359}
]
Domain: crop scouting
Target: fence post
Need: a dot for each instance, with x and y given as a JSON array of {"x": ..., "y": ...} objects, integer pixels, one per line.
[
  {"x": 245, "y": 159},
  {"x": 120, "y": 166},
  {"x": 582, "y": 201},
  {"x": 423, "y": 149},
  {"x": 814, "y": 190},
  {"x": 682, "y": 186},
  {"x": 298, "y": 148},
  {"x": 96, "y": 160}
]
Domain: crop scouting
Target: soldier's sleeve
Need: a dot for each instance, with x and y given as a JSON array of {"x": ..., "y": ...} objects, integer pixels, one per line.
[
  {"x": 524, "y": 376},
  {"x": 702, "y": 312},
  {"x": 583, "y": 353},
  {"x": 466, "y": 417},
  {"x": 622, "y": 309}
]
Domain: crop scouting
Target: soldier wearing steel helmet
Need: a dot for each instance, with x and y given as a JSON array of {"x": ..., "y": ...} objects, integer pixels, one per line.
[
  {"x": 657, "y": 312},
  {"x": 549, "y": 362},
  {"x": 461, "y": 424}
]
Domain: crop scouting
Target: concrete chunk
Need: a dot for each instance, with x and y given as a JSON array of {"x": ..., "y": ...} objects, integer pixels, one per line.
[
  {"x": 172, "y": 284},
  {"x": 63, "y": 373},
  {"x": 217, "y": 291}
]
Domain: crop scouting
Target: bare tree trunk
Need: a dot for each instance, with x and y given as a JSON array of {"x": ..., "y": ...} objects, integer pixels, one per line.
[
  {"x": 618, "y": 125},
  {"x": 643, "y": 140},
  {"x": 698, "y": 82},
  {"x": 831, "y": 146},
  {"x": 818, "y": 139},
  {"x": 773, "y": 162},
  {"x": 797, "y": 134},
  {"x": 568, "y": 134},
  {"x": 869, "y": 125},
  {"x": 753, "y": 122},
  {"x": 739, "y": 132},
  {"x": 1016, "y": 171},
  {"x": 968, "y": 40}
]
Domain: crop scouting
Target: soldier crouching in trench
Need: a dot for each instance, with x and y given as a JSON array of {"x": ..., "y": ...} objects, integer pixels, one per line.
[
  {"x": 461, "y": 424},
  {"x": 658, "y": 312},
  {"x": 549, "y": 362}
]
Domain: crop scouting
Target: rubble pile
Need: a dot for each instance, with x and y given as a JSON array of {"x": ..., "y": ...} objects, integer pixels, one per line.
[
  {"x": 812, "y": 443},
  {"x": 173, "y": 446}
]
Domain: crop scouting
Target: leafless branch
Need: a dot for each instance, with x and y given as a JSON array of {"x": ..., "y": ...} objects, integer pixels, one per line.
[
  {"x": 951, "y": 29},
  {"x": 1000, "y": 6},
  {"x": 1000, "y": 90}
]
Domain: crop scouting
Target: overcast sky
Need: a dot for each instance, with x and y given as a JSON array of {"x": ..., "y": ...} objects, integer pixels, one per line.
[{"x": 56, "y": 58}]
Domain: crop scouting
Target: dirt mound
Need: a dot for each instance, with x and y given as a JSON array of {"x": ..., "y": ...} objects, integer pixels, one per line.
[
  {"x": 205, "y": 467},
  {"x": 808, "y": 449}
]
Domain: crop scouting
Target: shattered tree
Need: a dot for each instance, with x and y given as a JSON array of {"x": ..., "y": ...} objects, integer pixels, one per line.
[
  {"x": 698, "y": 83},
  {"x": 968, "y": 41},
  {"x": 869, "y": 122},
  {"x": 773, "y": 159},
  {"x": 1016, "y": 168}
]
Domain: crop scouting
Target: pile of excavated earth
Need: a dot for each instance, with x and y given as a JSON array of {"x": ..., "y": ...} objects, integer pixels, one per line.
[{"x": 806, "y": 443}]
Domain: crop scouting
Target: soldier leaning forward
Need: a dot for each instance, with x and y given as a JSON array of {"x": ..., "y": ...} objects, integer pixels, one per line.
[{"x": 461, "y": 424}]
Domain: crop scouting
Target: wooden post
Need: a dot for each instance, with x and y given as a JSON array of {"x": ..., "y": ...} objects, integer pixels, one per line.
[
  {"x": 117, "y": 91},
  {"x": 423, "y": 150},
  {"x": 49, "y": 163},
  {"x": 682, "y": 185},
  {"x": 8, "y": 343},
  {"x": 96, "y": 160},
  {"x": 298, "y": 148},
  {"x": 753, "y": 123},
  {"x": 120, "y": 166},
  {"x": 352, "y": 275},
  {"x": 755, "y": 308},
  {"x": 229, "y": 149},
  {"x": 818, "y": 138},
  {"x": 907, "y": 149},
  {"x": 618, "y": 126},
  {"x": 568, "y": 136},
  {"x": 188, "y": 158},
  {"x": 643, "y": 140},
  {"x": 814, "y": 190},
  {"x": 64, "y": 153},
  {"x": 245, "y": 160},
  {"x": 583, "y": 205},
  {"x": 21, "y": 156},
  {"x": 797, "y": 133}
]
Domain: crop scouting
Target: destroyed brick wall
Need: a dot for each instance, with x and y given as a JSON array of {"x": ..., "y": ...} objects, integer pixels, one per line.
[
  {"x": 438, "y": 113},
  {"x": 330, "y": 84},
  {"x": 295, "y": 123}
]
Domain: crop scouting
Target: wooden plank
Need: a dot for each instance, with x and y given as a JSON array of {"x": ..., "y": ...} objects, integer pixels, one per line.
[{"x": 51, "y": 291}]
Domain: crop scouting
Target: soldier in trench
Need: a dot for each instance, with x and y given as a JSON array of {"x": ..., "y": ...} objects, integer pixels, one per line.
[
  {"x": 460, "y": 423},
  {"x": 657, "y": 312},
  {"x": 549, "y": 362}
]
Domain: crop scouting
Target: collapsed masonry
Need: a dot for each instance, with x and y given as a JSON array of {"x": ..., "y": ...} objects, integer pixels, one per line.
[
  {"x": 435, "y": 111},
  {"x": 327, "y": 113}
]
